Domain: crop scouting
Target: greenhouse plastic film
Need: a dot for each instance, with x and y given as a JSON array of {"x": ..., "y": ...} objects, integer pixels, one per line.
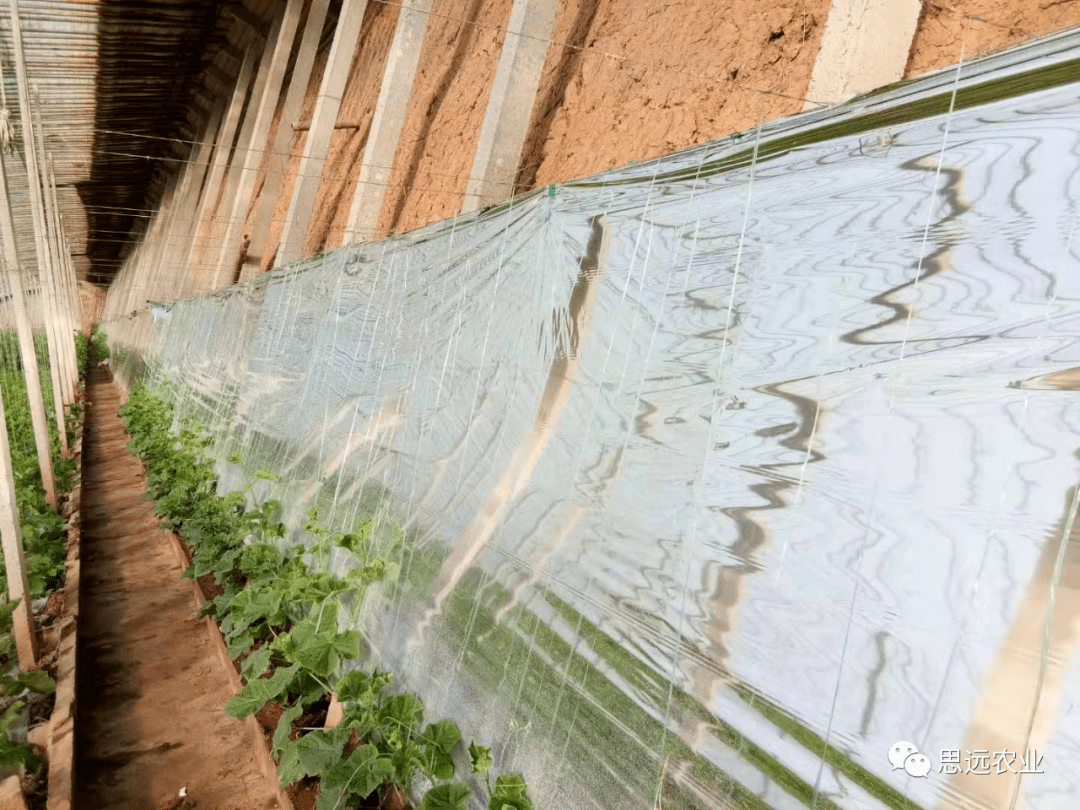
[{"x": 712, "y": 478}]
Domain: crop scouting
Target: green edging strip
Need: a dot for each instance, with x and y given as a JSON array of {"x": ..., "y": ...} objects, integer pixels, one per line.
[
  {"x": 879, "y": 789},
  {"x": 639, "y": 674}
]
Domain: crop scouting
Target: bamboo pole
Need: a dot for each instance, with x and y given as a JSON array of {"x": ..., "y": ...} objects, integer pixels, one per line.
[
  {"x": 62, "y": 287},
  {"x": 36, "y": 211},
  {"x": 26, "y": 342},
  {"x": 66, "y": 345},
  {"x": 14, "y": 559}
]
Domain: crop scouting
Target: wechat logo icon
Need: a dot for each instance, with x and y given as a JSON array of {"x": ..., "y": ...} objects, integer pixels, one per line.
[{"x": 905, "y": 755}]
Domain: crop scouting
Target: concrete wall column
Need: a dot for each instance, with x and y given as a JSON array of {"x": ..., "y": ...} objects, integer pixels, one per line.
[
  {"x": 864, "y": 46},
  {"x": 510, "y": 103},
  {"x": 290, "y": 111},
  {"x": 216, "y": 171},
  {"x": 274, "y": 64},
  {"x": 389, "y": 118},
  {"x": 194, "y": 177},
  {"x": 317, "y": 143},
  {"x": 244, "y": 144}
]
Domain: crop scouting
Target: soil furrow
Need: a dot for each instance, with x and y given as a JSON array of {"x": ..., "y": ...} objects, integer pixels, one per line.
[{"x": 151, "y": 687}]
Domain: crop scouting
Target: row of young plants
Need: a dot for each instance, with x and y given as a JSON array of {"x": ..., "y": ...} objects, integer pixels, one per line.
[
  {"x": 280, "y": 617},
  {"x": 101, "y": 342},
  {"x": 43, "y": 530}
]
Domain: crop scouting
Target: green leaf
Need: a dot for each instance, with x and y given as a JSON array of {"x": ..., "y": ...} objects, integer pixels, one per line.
[
  {"x": 312, "y": 754},
  {"x": 439, "y": 741},
  {"x": 481, "y": 758},
  {"x": 399, "y": 716},
  {"x": 444, "y": 735},
  {"x": 451, "y": 796},
  {"x": 259, "y": 559},
  {"x": 362, "y": 687},
  {"x": 284, "y": 729},
  {"x": 348, "y": 644},
  {"x": 509, "y": 794},
  {"x": 240, "y": 643},
  {"x": 37, "y": 681},
  {"x": 407, "y": 757},
  {"x": 259, "y": 692},
  {"x": 256, "y": 663},
  {"x": 18, "y": 754},
  {"x": 316, "y": 645},
  {"x": 437, "y": 764},
  {"x": 359, "y": 775},
  {"x": 255, "y": 603}
]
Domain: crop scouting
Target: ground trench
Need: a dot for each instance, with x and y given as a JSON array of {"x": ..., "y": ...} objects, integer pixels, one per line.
[{"x": 152, "y": 687}]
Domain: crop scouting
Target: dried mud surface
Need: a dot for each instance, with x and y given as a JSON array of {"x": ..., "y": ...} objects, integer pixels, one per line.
[
  {"x": 151, "y": 686},
  {"x": 623, "y": 81},
  {"x": 983, "y": 26},
  {"x": 678, "y": 74}
]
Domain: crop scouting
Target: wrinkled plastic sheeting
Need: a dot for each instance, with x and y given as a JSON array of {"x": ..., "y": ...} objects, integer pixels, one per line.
[{"x": 713, "y": 477}]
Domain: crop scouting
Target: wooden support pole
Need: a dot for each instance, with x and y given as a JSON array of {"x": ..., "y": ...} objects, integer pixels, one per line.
[
  {"x": 510, "y": 103},
  {"x": 276, "y": 165},
  {"x": 317, "y": 143},
  {"x": 63, "y": 386},
  {"x": 222, "y": 151},
  {"x": 386, "y": 124},
  {"x": 65, "y": 338},
  {"x": 71, "y": 282},
  {"x": 275, "y": 61},
  {"x": 14, "y": 560},
  {"x": 26, "y": 342},
  {"x": 335, "y": 712}
]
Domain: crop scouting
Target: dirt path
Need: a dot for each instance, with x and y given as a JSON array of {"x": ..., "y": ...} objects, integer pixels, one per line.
[{"x": 151, "y": 686}]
